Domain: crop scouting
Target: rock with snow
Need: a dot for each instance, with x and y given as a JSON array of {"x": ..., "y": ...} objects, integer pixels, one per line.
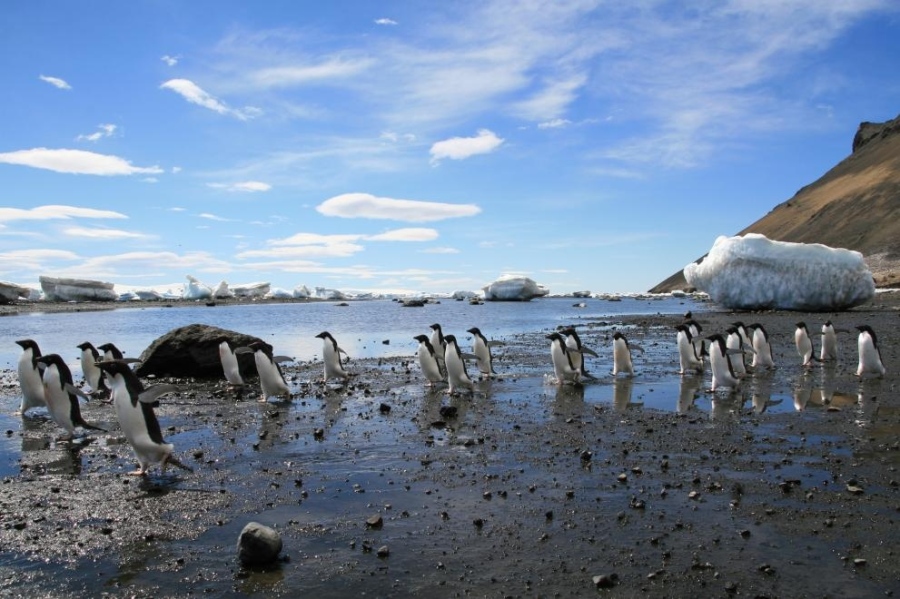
[
  {"x": 753, "y": 272},
  {"x": 251, "y": 290},
  {"x": 193, "y": 351},
  {"x": 222, "y": 291},
  {"x": 77, "y": 290},
  {"x": 513, "y": 288},
  {"x": 302, "y": 292},
  {"x": 10, "y": 292},
  {"x": 195, "y": 290}
]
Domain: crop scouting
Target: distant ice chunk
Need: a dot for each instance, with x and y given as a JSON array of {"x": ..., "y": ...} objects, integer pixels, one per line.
[
  {"x": 77, "y": 290},
  {"x": 278, "y": 293},
  {"x": 753, "y": 272},
  {"x": 463, "y": 295},
  {"x": 302, "y": 292},
  {"x": 148, "y": 295},
  {"x": 251, "y": 289},
  {"x": 10, "y": 292},
  {"x": 330, "y": 294},
  {"x": 223, "y": 291},
  {"x": 195, "y": 290},
  {"x": 513, "y": 288}
]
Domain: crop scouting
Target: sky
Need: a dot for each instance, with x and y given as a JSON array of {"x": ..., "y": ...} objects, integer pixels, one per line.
[{"x": 418, "y": 147}]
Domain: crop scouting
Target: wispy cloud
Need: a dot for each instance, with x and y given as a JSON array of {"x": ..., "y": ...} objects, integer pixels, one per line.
[
  {"x": 103, "y": 233},
  {"x": 194, "y": 94},
  {"x": 440, "y": 250},
  {"x": 460, "y": 148},
  {"x": 210, "y": 216},
  {"x": 554, "y": 124},
  {"x": 78, "y": 162},
  {"x": 363, "y": 205},
  {"x": 385, "y": 21},
  {"x": 54, "y": 212},
  {"x": 103, "y": 131},
  {"x": 55, "y": 82},
  {"x": 243, "y": 186},
  {"x": 170, "y": 60},
  {"x": 408, "y": 234}
]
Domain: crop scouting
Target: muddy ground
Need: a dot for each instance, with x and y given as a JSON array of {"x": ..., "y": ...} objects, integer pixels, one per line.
[{"x": 786, "y": 489}]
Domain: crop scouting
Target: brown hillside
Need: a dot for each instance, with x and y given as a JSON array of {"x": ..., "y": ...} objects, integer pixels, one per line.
[{"x": 855, "y": 205}]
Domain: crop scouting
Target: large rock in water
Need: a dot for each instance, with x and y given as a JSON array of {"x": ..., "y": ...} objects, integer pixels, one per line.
[
  {"x": 752, "y": 273},
  {"x": 258, "y": 545},
  {"x": 513, "y": 288},
  {"x": 193, "y": 351}
]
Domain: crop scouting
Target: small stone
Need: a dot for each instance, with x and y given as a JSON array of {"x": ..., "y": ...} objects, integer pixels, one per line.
[
  {"x": 606, "y": 581},
  {"x": 384, "y": 408},
  {"x": 855, "y": 490},
  {"x": 622, "y": 478},
  {"x": 258, "y": 545},
  {"x": 383, "y": 551},
  {"x": 859, "y": 562},
  {"x": 375, "y": 521}
]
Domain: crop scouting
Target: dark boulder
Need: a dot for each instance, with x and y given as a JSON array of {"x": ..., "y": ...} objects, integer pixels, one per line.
[{"x": 193, "y": 351}]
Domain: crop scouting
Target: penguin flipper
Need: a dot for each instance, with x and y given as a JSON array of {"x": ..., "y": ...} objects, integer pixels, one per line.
[
  {"x": 636, "y": 347},
  {"x": 589, "y": 351},
  {"x": 153, "y": 393},
  {"x": 70, "y": 388}
]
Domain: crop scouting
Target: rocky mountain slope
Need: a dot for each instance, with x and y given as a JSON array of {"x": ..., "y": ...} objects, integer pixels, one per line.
[{"x": 855, "y": 205}]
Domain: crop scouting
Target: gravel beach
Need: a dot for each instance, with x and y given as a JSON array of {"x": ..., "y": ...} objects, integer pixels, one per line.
[{"x": 525, "y": 489}]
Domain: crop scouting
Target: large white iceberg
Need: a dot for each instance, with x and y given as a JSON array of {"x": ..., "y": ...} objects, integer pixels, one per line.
[
  {"x": 10, "y": 292},
  {"x": 753, "y": 272},
  {"x": 77, "y": 290},
  {"x": 222, "y": 291},
  {"x": 278, "y": 293},
  {"x": 330, "y": 294},
  {"x": 251, "y": 289},
  {"x": 513, "y": 288},
  {"x": 195, "y": 290},
  {"x": 302, "y": 292}
]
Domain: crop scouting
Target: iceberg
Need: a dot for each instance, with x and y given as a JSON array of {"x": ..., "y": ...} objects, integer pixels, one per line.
[
  {"x": 148, "y": 294},
  {"x": 222, "y": 291},
  {"x": 251, "y": 289},
  {"x": 330, "y": 294},
  {"x": 753, "y": 273},
  {"x": 77, "y": 290},
  {"x": 513, "y": 288},
  {"x": 302, "y": 292},
  {"x": 278, "y": 293},
  {"x": 195, "y": 290},
  {"x": 10, "y": 292}
]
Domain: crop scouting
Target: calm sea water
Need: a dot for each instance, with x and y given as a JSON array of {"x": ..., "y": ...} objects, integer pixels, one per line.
[{"x": 361, "y": 327}]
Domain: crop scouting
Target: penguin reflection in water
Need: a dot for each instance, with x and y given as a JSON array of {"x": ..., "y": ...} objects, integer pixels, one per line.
[
  {"x": 134, "y": 409},
  {"x": 331, "y": 355},
  {"x": 62, "y": 395}
]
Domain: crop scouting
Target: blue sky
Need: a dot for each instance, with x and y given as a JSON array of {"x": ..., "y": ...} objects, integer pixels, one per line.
[{"x": 418, "y": 146}]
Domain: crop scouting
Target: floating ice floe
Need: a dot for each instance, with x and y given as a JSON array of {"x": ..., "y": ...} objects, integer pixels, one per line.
[
  {"x": 753, "y": 272},
  {"x": 195, "y": 290},
  {"x": 77, "y": 290},
  {"x": 513, "y": 288},
  {"x": 302, "y": 292}
]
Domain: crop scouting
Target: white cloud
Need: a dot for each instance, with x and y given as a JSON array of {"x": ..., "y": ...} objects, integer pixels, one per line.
[
  {"x": 149, "y": 180},
  {"x": 56, "y": 82},
  {"x": 209, "y": 216},
  {"x": 78, "y": 162},
  {"x": 551, "y": 101},
  {"x": 244, "y": 186},
  {"x": 191, "y": 92},
  {"x": 54, "y": 212},
  {"x": 176, "y": 170},
  {"x": 328, "y": 250},
  {"x": 103, "y": 131},
  {"x": 103, "y": 233},
  {"x": 554, "y": 124},
  {"x": 440, "y": 250},
  {"x": 170, "y": 60},
  {"x": 364, "y": 205},
  {"x": 408, "y": 234},
  {"x": 292, "y": 74},
  {"x": 385, "y": 21},
  {"x": 315, "y": 239},
  {"x": 459, "y": 148}
]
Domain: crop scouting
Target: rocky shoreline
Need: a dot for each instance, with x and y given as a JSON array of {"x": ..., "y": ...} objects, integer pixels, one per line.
[{"x": 527, "y": 490}]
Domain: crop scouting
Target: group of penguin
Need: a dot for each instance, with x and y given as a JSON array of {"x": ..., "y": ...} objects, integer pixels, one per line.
[
  {"x": 46, "y": 381},
  {"x": 726, "y": 353},
  {"x": 441, "y": 359}
]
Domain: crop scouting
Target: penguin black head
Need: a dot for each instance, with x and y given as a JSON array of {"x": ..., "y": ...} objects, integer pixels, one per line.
[
  {"x": 555, "y": 337},
  {"x": 111, "y": 348},
  {"x": 421, "y": 338},
  {"x": 738, "y": 324},
  {"x": 475, "y": 331},
  {"x": 801, "y": 325},
  {"x": 618, "y": 336},
  {"x": 435, "y": 327},
  {"x": 864, "y": 328},
  {"x": 114, "y": 367},
  {"x": 29, "y": 344},
  {"x": 324, "y": 335},
  {"x": 450, "y": 339},
  {"x": 86, "y": 345}
]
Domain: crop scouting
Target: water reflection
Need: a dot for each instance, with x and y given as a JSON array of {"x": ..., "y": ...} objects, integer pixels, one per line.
[
  {"x": 622, "y": 391},
  {"x": 688, "y": 392}
]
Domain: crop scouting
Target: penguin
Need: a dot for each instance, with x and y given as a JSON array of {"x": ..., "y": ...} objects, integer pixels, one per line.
[
  {"x": 722, "y": 372},
  {"x": 331, "y": 355},
  {"x": 457, "y": 376},
  {"x": 577, "y": 350},
  {"x": 762, "y": 349},
  {"x": 62, "y": 395},
  {"x": 92, "y": 374},
  {"x": 230, "y": 365},
  {"x": 622, "y": 355},
  {"x": 744, "y": 333},
  {"x": 271, "y": 379},
  {"x": 134, "y": 410},
  {"x": 563, "y": 366},
  {"x": 110, "y": 352},
  {"x": 804, "y": 344},
  {"x": 869, "y": 355},
  {"x": 829, "y": 351},
  {"x": 736, "y": 341},
  {"x": 689, "y": 356},
  {"x": 428, "y": 361},
  {"x": 482, "y": 350},
  {"x": 30, "y": 379},
  {"x": 439, "y": 345}
]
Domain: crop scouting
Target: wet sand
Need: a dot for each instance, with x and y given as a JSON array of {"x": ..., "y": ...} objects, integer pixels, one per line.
[{"x": 529, "y": 490}]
